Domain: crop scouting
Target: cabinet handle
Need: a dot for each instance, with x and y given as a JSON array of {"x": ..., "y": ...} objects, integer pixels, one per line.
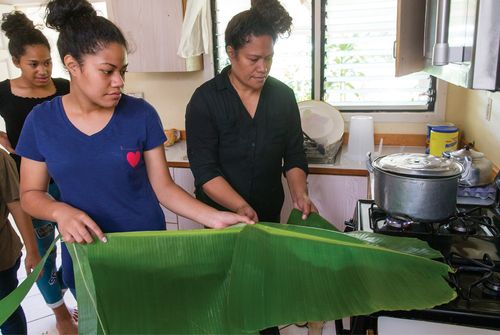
[{"x": 441, "y": 50}]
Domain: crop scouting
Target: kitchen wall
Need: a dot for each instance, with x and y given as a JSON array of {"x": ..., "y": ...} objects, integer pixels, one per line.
[
  {"x": 468, "y": 110},
  {"x": 170, "y": 92}
]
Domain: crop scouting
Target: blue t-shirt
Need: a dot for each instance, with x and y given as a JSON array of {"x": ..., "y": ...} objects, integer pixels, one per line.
[{"x": 104, "y": 174}]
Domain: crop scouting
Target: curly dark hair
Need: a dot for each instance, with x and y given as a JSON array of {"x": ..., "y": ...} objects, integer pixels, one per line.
[
  {"x": 265, "y": 17},
  {"x": 81, "y": 30},
  {"x": 21, "y": 33}
]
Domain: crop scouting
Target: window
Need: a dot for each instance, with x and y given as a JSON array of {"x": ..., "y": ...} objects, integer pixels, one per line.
[
  {"x": 355, "y": 42},
  {"x": 358, "y": 61},
  {"x": 36, "y": 13},
  {"x": 292, "y": 61}
]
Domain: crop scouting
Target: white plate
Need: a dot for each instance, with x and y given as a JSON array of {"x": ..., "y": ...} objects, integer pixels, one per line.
[{"x": 321, "y": 121}]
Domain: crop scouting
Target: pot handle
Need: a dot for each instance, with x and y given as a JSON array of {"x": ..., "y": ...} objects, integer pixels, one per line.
[{"x": 369, "y": 165}]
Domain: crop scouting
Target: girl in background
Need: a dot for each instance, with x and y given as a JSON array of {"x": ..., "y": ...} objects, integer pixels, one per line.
[{"x": 30, "y": 51}]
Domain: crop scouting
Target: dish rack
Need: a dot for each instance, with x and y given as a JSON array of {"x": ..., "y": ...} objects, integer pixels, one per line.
[{"x": 320, "y": 154}]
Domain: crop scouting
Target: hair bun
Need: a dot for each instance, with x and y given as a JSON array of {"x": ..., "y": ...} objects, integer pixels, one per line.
[
  {"x": 62, "y": 12},
  {"x": 16, "y": 22},
  {"x": 273, "y": 13}
]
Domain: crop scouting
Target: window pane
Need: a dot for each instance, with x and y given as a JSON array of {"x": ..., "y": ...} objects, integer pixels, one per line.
[
  {"x": 292, "y": 62},
  {"x": 36, "y": 13},
  {"x": 358, "y": 60}
]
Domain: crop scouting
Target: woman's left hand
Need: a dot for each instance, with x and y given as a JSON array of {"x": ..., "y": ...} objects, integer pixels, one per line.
[
  {"x": 220, "y": 219},
  {"x": 31, "y": 260},
  {"x": 304, "y": 204}
]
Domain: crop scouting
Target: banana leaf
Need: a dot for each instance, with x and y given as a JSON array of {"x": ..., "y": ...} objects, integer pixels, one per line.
[
  {"x": 243, "y": 279},
  {"x": 10, "y": 303},
  {"x": 314, "y": 220}
]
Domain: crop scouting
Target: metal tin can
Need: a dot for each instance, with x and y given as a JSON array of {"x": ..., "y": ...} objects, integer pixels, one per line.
[
  {"x": 443, "y": 138},
  {"x": 429, "y": 128}
]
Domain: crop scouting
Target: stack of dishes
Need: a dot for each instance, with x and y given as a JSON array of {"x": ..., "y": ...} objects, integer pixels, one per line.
[{"x": 323, "y": 128}]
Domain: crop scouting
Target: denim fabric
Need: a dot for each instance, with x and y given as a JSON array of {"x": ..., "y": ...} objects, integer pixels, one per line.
[
  {"x": 50, "y": 284},
  {"x": 16, "y": 323}
]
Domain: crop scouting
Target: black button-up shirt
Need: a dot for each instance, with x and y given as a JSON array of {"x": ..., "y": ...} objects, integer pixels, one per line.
[{"x": 224, "y": 140}]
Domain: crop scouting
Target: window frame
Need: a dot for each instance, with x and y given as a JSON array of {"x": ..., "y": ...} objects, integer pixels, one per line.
[
  {"x": 435, "y": 111},
  {"x": 313, "y": 53}
]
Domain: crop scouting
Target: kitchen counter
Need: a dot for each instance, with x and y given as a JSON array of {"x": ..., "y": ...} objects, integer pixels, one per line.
[{"x": 177, "y": 157}]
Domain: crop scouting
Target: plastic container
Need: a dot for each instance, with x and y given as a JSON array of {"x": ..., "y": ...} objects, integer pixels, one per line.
[
  {"x": 443, "y": 138},
  {"x": 173, "y": 135},
  {"x": 360, "y": 138}
]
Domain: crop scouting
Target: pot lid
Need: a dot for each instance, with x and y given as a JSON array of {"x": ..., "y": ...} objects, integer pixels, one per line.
[{"x": 418, "y": 165}]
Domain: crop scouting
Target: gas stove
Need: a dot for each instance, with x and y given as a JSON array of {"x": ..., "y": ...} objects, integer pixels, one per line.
[{"x": 469, "y": 242}]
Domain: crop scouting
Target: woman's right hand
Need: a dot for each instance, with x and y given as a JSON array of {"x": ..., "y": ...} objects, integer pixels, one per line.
[
  {"x": 221, "y": 219},
  {"x": 4, "y": 141},
  {"x": 76, "y": 226},
  {"x": 247, "y": 211}
]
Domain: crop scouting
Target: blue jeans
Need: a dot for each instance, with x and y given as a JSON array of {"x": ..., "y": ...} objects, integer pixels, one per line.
[
  {"x": 16, "y": 323},
  {"x": 50, "y": 284}
]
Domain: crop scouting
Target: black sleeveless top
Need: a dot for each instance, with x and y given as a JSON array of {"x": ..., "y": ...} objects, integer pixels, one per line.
[{"x": 15, "y": 109}]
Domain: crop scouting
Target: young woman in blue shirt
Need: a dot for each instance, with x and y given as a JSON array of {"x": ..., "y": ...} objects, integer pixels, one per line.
[{"x": 104, "y": 148}]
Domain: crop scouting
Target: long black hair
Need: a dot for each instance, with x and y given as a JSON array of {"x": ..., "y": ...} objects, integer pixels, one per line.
[
  {"x": 81, "y": 30},
  {"x": 265, "y": 17},
  {"x": 21, "y": 33}
]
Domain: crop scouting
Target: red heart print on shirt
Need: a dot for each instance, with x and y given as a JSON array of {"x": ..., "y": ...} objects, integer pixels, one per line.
[{"x": 133, "y": 158}]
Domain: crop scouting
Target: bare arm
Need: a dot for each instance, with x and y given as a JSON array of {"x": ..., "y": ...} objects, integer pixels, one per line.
[
  {"x": 25, "y": 227},
  {"x": 179, "y": 201},
  {"x": 220, "y": 191},
  {"x": 74, "y": 225},
  {"x": 297, "y": 183}
]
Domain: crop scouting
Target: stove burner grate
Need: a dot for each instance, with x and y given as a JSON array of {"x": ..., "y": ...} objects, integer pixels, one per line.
[
  {"x": 466, "y": 223},
  {"x": 460, "y": 226},
  {"x": 491, "y": 286},
  {"x": 397, "y": 222},
  {"x": 488, "y": 282}
]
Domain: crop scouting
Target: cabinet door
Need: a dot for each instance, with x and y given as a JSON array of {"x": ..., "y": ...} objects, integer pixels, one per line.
[
  {"x": 410, "y": 37},
  {"x": 287, "y": 203},
  {"x": 334, "y": 196},
  {"x": 153, "y": 30},
  {"x": 184, "y": 178},
  {"x": 170, "y": 217}
]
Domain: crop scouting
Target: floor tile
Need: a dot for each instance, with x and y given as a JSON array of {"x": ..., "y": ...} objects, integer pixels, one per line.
[{"x": 43, "y": 326}]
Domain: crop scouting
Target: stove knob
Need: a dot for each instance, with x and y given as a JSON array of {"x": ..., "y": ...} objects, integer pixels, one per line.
[{"x": 349, "y": 226}]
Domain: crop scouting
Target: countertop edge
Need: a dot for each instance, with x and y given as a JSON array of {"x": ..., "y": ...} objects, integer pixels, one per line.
[{"x": 312, "y": 170}]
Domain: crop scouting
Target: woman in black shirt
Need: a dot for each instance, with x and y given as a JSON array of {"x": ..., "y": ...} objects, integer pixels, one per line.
[
  {"x": 243, "y": 127},
  {"x": 30, "y": 51}
]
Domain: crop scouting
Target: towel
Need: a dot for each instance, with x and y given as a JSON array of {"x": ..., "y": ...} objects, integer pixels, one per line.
[
  {"x": 196, "y": 29},
  {"x": 483, "y": 192}
]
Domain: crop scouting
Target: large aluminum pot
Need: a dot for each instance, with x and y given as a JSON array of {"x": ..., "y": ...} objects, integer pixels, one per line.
[{"x": 419, "y": 186}]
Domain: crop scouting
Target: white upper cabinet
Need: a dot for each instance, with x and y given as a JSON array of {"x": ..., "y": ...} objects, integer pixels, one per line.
[{"x": 153, "y": 30}]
